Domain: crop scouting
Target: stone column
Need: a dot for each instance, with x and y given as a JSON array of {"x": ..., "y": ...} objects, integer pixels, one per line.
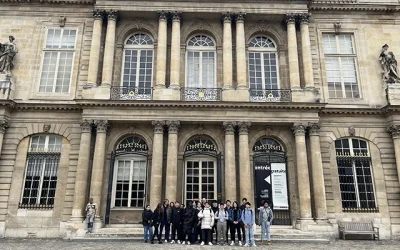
[
  {"x": 161, "y": 63},
  {"x": 96, "y": 184},
  {"x": 395, "y": 131},
  {"x": 227, "y": 51},
  {"x": 318, "y": 184},
  {"x": 4, "y": 125},
  {"x": 303, "y": 179},
  {"x": 294, "y": 75},
  {"x": 230, "y": 165},
  {"x": 109, "y": 48},
  {"x": 172, "y": 161},
  {"x": 241, "y": 65},
  {"x": 157, "y": 163},
  {"x": 82, "y": 171},
  {"x": 94, "y": 57},
  {"x": 175, "y": 50},
  {"x": 306, "y": 50},
  {"x": 244, "y": 162}
]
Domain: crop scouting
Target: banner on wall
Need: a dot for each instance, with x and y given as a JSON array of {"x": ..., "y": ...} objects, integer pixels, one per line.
[{"x": 279, "y": 186}]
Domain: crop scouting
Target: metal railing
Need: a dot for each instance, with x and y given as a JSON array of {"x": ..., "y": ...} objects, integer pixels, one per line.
[
  {"x": 270, "y": 95},
  {"x": 201, "y": 94},
  {"x": 131, "y": 93}
]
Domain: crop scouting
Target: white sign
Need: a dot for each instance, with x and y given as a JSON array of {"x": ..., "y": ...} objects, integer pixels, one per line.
[{"x": 279, "y": 186}]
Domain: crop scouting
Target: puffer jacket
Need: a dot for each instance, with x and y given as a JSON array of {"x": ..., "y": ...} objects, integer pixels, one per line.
[
  {"x": 189, "y": 218},
  {"x": 207, "y": 218}
]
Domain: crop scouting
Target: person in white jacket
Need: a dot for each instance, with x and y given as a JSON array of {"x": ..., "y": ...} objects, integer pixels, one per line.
[{"x": 207, "y": 222}]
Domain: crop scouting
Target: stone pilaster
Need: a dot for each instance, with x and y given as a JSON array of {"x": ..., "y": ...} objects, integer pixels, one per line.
[
  {"x": 109, "y": 48},
  {"x": 394, "y": 129},
  {"x": 230, "y": 163},
  {"x": 306, "y": 50},
  {"x": 241, "y": 63},
  {"x": 82, "y": 171},
  {"x": 172, "y": 161},
  {"x": 96, "y": 184},
  {"x": 175, "y": 50},
  {"x": 227, "y": 51},
  {"x": 318, "y": 184},
  {"x": 157, "y": 162},
  {"x": 244, "y": 161},
  {"x": 161, "y": 63},
  {"x": 4, "y": 125},
  {"x": 303, "y": 179},
  {"x": 94, "y": 57},
  {"x": 294, "y": 75}
]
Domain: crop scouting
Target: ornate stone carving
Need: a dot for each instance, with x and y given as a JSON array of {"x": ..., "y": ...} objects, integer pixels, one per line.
[
  {"x": 200, "y": 129},
  {"x": 268, "y": 130},
  {"x": 46, "y": 127},
  {"x": 201, "y": 24},
  {"x": 158, "y": 126},
  {"x": 173, "y": 126},
  {"x": 304, "y": 18},
  {"x": 244, "y": 127},
  {"x": 352, "y": 131},
  {"x": 229, "y": 127},
  {"x": 102, "y": 126},
  {"x": 299, "y": 129},
  {"x": 290, "y": 18},
  {"x": 8, "y": 51},
  {"x": 394, "y": 130},
  {"x": 62, "y": 20},
  {"x": 86, "y": 126},
  {"x": 226, "y": 16},
  {"x": 240, "y": 16},
  {"x": 112, "y": 15},
  {"x": 132, "y": 129},
  {"x": 4, "y": 125},
  {"x": 176, "y": 16},
  {"x": 313, "y": 128},
  {"x": 98, "y": 14},
  {"x": 389, "y": 65},
  {"x": 162, "y": 15},
  {"x": 337, "y": 27}
]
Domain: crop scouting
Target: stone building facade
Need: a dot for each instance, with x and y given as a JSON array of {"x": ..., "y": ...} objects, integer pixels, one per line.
[{"x": 134, "y": 102}]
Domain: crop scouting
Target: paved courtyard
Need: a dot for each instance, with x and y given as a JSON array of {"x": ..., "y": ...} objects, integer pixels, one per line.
[{"x": 33, "y": 244}]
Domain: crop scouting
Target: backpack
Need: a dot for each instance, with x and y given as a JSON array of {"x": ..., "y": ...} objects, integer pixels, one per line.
[{"x": 244, "y": 214}]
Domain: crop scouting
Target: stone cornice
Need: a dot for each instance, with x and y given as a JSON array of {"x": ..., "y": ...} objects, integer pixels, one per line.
[
  {"x": 354, "y": 7},
  {"x": 79, "y": 2}
]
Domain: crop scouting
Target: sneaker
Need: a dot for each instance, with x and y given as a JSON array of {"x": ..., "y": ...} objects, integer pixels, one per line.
[
  {"x": 172, "y": 241},
  {"x": 246, "y": 245},
  {"x": 202, "y": 243},
  {"x": 159, "y": 242},
  {"x": 232, "y": 243},
  {"x": 188, "y": 242},
  {"x": 183, "y": 243},
  {"x": 152, "y": 242},
  {"x": 210, "y": 244},
  {"x": 269, "y": 242},
  {"x": 145, "y": 241},
  {"x": 240, "y": 243},
  {"x": 166, "y": 241},
  {"x": 254, "y": 245}
]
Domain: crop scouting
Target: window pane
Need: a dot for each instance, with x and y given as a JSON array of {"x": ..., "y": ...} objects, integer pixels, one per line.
[
  {"x": 48, "y": 72},
  {"x": 193, "y": 69},
  {"x": 138, "y": 183},
  {"x": 270, "y": 71},
  {"x": 255, "y": 70},
  {"x": 122, "y": 183},
  {"x": 329, "y": 43},
  {"x": 64, "y": 72},
  {"x": 68, "y": 39},
  {"x": 53, "y": 38},
  {"x": 333, "y": 76},
  {"x": 208, "y": 69},
  {"x": 345, "y": 44}
]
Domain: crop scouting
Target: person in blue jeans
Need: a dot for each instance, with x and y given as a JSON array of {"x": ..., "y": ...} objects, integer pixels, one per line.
[
  {"x": 165, "y": 220},
  {"x": 265, "y": 220},
  {"x": 147, "y": 222},
  {"x": 248, "y": 219}
]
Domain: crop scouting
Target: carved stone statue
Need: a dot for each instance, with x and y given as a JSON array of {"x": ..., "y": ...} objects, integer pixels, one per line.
[
  {"x": 389, "y": 64},
  {"x": 7, "y": 53}
]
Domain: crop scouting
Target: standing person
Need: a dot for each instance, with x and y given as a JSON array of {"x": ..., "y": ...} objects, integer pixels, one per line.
[
  {"x": 207, "y": 222},
  {"x": 176, "y": 221},
  {"x": 91, "y": 210},
  {"x": 228, "y": 207},
  {"x": 235, "y": 216},
  {"x": 147, "y": 222},
  {"x": 221, "y": 217},
  {"x": 197, "y": 224},
  {"x": 157, "y": 217},
  {"x": 214, "y": 231},
  {"x": 165, "y": 221},
  {"x": 265, "y": 219},
  {"x": 243, "y": 207},
  {"x": 248, "y": 219},
  {"x": 188, "y": 221}
]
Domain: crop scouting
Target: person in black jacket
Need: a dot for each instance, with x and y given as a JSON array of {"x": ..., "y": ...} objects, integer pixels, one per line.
[
  {"x": 243, "y": 207},
  {"x": 157, "y": 217},
  {"x": 189, "y": 218},
  {"x": 147, "y": 222},
  {"x": 214, "y": 233},
  {"x": 197, "y": 224},
  {"x": 176, "y": 221}
]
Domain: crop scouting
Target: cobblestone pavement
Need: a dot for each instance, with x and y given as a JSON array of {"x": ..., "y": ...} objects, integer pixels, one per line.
[{"x": 55, "y": 244}]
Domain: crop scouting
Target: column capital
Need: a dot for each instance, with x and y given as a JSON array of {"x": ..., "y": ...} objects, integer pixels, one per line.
[
  {"x": 4, "y": 125},
  {"x": 394, "y": 130},
  {"x": 162, "y": 15},
  {"x": 244, "y": 127},
  {"x": 304, "y": 18},
  {"x": 229, "y": 127},
  {"x": 102, "y": 126},
  {"x": 226, "y": 17},
  {"x": 239, "y": 17},
  {"x": 290, "y": 18},
  {"x": 158, "y": 126},
  {"x": 299, "y": 129},
  {"x": 98, "y": 14},
  {"x": 112, "y": 15},
  {"x": 313, "y": 128},
  {"x": 173, "y": 126},
  {"x": 176, "y": 16},
  {"x": 86, "y": 126}
]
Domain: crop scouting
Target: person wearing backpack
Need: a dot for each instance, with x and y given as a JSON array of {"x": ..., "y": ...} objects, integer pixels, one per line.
[
  {"x": 265, "y": 220},
  {"x": 243, "y": 207},
  {"x": 207, "y": 222},
  {"x": 221, "y": 216},
  {"x": 235, "y": 217},
  {"x": 248, "y": 219}
]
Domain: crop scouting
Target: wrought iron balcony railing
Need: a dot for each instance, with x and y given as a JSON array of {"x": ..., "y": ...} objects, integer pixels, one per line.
[
  {"x": 270, "y": 95},
  {"x": 201, "y": 94},
  {"x": 131, "y": 93}
]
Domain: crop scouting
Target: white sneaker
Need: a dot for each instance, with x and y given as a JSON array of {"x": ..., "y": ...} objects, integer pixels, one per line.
[
  {"x": 183, "y": 243},
  {"x": 172, "y": 241},
  {"x": 254, "y": 245},
  {"x": 232, "y": 243},
  {"x": 166, "y": 241},
  {"x": 202, "y": 243},
  {"x": 210, "y": 244},
  {"x": 246, "y": 245},
  {"x": 188, "y": 242},
  {"x": 240, "y": 243},
  {"x": 179, "y": 242}
]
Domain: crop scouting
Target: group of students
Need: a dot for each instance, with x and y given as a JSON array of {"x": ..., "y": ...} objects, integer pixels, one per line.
[{"x": 203, "y": 223}]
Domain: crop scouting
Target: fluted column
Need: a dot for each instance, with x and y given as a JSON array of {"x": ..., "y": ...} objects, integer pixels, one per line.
[
  {"x": 175, "y": 50},
  {"x": 227, "y": 50},
  {"x": 4, "y": 125},
  {"x": 303, "y": 179},
  {"x": 306, "y": 50},
  {"x": 241, "y": 65},
  {"x": 172, "y": 161},
  {"x": 96, "y": 184},
  {"x": 318, "y": 184},
  {"x": 157, "y": 163},
  {"x": 161, "y": 63},
  {"x": 82, "y": 171},
  {"x": 109, "y": 48},
  {"x": 395, "y": 131},
  {"x": 244, "y": 162},
  {"x": 294, "y": 75},
  {"x": 94, "y": 57},
  {"x": 230, "y": 165}
]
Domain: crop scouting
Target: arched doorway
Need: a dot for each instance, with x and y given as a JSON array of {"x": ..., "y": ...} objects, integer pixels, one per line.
[
  {"x": 202, "y": 170},
  {"x": 270, "y": 178},
  {"x": 128, "y": 175}
]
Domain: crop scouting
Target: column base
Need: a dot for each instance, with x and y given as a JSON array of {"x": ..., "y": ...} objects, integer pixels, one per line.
[
  {"x": 304, "y": 223},
  {"x": 170, "y": 94},
  {"x": 95, "y": 92},
  {"x": 305, "y": 95},
  {"x": 235, "y": 95}
]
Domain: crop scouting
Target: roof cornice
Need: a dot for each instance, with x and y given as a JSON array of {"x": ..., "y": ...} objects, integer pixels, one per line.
[
  {"x": 78, "y": 2},
  {"x": 354, "y": 7}
]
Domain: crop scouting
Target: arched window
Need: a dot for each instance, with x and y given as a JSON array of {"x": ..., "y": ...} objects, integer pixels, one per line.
[
  {"x": 137, "y": 71},
  {"x": 200, "y": 62},
  {"x": 355, "y": 175},
  {"x": 263, "y": 64},
  {"x": 43, "y": 160}
]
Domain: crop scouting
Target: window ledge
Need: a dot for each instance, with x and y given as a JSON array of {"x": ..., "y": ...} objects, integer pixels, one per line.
[{"x": 127, "y": 209}]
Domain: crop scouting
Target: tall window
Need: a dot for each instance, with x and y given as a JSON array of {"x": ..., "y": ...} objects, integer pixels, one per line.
[
  {"x": 58, "y": 60},
  {"x": 138, "y": 63},
  {"x": 340, "y": 64},
  {"x": 41, "y": 172},
  {"x": 263, "y": 64},
  {"x": 355, "y": 175},
  {"x": 200, "y": 62}
]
